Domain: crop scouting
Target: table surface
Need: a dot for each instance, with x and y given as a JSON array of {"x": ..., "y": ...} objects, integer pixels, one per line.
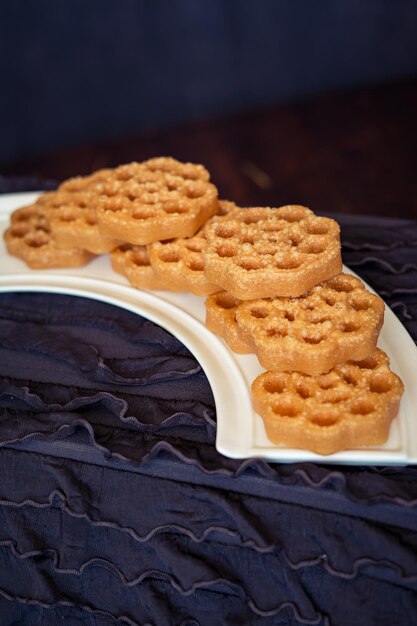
[{"x": 347, "y": 152}]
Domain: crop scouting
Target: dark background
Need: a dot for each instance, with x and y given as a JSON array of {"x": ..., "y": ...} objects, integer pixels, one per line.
[{"x": 284, "y": 100}]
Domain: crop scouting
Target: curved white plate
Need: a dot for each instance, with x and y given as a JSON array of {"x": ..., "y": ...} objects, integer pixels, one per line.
[{"x": 240, "y": 431}]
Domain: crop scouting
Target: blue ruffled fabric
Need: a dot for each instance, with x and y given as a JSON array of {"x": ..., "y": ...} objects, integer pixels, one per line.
[{"x": 116, "y": 508}]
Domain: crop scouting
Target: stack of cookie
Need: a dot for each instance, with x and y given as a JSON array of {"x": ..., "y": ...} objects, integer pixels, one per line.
[
  {"x": 137, "y": 203},
  {"x": 274, "y": 281}
]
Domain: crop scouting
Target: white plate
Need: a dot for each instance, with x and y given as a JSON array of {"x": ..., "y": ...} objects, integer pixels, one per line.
[{"x": 240, "y": 431}]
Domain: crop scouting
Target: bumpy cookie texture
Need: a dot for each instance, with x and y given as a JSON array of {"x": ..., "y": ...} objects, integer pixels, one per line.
[
  {"x": 159, "y": 199},
  {"x": 334, "y": 322},
  {"x": 133, "y": 263},
  {"x": 92, "y": 182},
  {"x": 264, "y": 252},
  {"x": 73, "y": 219},
  {"x": 351, "y": 406},
  {"x": 180, "y": 262},
  {"x": 226, "y": 207},
  {"x": 221, "y": 310},
  {"x": 29, "y": 237}
]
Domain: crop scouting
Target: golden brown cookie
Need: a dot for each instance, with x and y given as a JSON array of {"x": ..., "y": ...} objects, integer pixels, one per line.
[
  {"x": 73, "y": 220},
  {"x": 156, "y": 200},
  {"x": 92, "y": 182},
  {"x": 180, "y": 262},
  {"x": 334, "y": 322},
  {"x": 221, "y": 310},
  {"x": 29, "y": 237},
  {"x": 133, "y": 262},
  {"x": 226, "y": 207},
  {"x": 350, "y": 407},
  {"x": 263, "y": 252}
]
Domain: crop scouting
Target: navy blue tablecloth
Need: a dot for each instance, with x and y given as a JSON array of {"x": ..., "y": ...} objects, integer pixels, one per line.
[{"x": 116, "y": 508}]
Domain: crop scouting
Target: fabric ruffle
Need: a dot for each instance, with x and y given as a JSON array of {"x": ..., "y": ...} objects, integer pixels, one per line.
[
  {"x": 170, "y": 545},
  {"x": 286, "y": 594},
  {"x": 193, "y": 541}
]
